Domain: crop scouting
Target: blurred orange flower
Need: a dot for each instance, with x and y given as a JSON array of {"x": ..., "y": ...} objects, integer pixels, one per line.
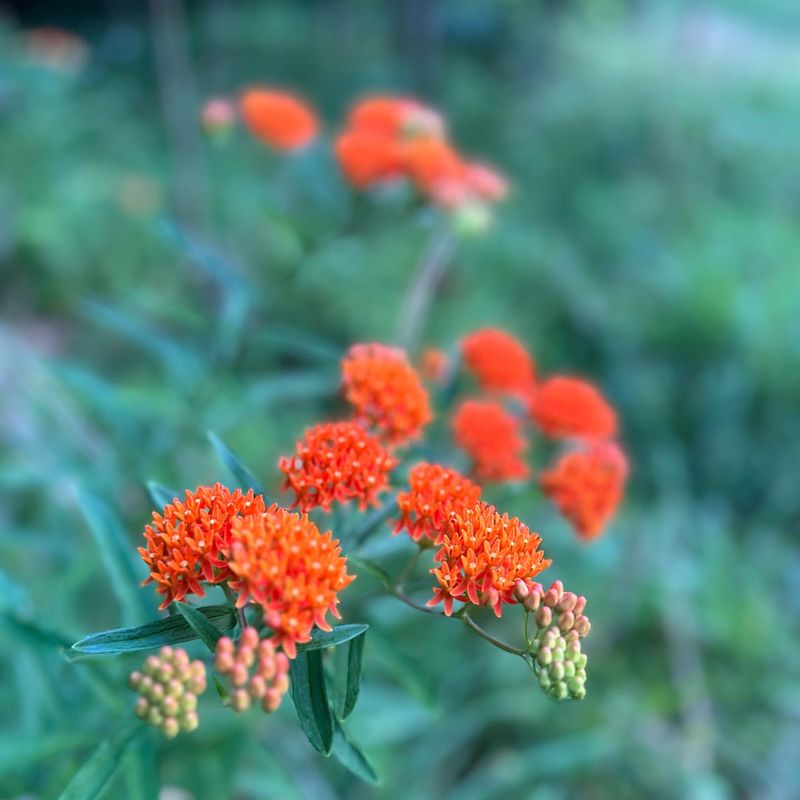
[
  {"x": 367, "y": 158},
  {"x": 492, "y": 437},
  {"x": 189, "y": 542},
  {"x": 435, "y": 493},
  {"x": 482, "y": 557},
  {"x": 564, "y": 406},
  {"x": 435, "y": 364},
  {"x": 500, "y": 362},
  {"x": 395, "y": 117},
  {"x": 280, "y": 119},
  {"x": 385, "y": 391},
  {"x": 281, "y": 561},
  {"x": 587, "y": 486},
  {"x": 431, "y": 161},
  {"x": 337, "y": 461}
]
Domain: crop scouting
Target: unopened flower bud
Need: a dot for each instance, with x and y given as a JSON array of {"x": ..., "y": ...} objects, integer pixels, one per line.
[
  {"x": 156, "y": 692},
  {"x": 134, "y": 679},
  {"x": 180, "y": 659},
  {"x": 544, "y": 680},
  {"x": 566, "y": 621},
  {"x": 151, "y": 665},
  {"x": 240, "y": 700},
  {"x": 282, "y": 662},
  {"x": 142, "y": 708},
  {"x": 544, "y": 656},
  {"x": 580, "y": 604},
  {"x": 569, "y": 669},
  {"x": 223, "y": 662},
  {"x": 165, "y": 672},
  {"x": 238, "y": 674},
  {"x": 521, "y": 590},
  {"x": 557, "y": 670},
  {"x": 567, "y": 601},
  {"x": 189, "y": 702},
  {"x": 258, "y": 687},
  {"x": 247, "y": 656},
  {"x": 267, "y": 668},
  {"x": 582, "y": 625},
  {"x": 224, "y": 645},
  {"x": 557, "y": 587},
  {"x": 559, "y": 690},
  {"x": 198, "y": 684},
  {"x": 190, "y": 721},
  {"x": 533, "y": 601},
  {"x": 170, "y": 727},
  {"x": 544, "y": 616},
  {"x": 582, "y": 661},
  {"x": 266, "y": 649},
  {"x": 271, "y": 700},
  {"x": 249, "y": 638},
  {"x": 154, "y": 716},
  {"x": 170, "y": 706},
  {"x": 167, "y": 652},
  {"x": 281, "y": 683},
  {"x": 550, "y": 598}
]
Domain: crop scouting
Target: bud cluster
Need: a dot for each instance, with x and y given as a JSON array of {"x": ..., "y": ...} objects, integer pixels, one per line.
[
  {"x": 270, "y": 679},
  {"x": 556, "y": 647},
  {"x": 168, "y": 686}
]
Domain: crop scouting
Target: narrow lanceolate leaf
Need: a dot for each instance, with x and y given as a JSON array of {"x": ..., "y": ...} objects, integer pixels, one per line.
[
  {"x": 170, "y": 630},
  {"x": 350, "y": 756},
  {"x": 92, "y": 777},
  {"x": 160, "y": 496},
  {"x": 339, "y": 635},
  {"x": 119, "y": 556},
  {"x": 239, "y": 471},
  {"x": 200, "y": 624},
  {"x": 311, "y": 700},
  {"x": 348, "y": 676}
]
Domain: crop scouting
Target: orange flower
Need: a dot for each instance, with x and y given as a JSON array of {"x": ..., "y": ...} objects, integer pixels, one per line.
[
  {"x": 436, "y": 492},
  {"x": 281, "y": 561},
  {"x": 499, "y": 361},
  {"x": 385, "y": 391},
  {"x": 337, "y": 461},
  {"x": 492, "y": 437},
  {"x": 394, "y": 117},
  {"x": 189, "y": 542},
  {"x": 278, "y": 118},
  {"x": 483, "y": 555},
  {"x": 435, "y": 364},
  {"x": 566, "y": 406},
  {"x": 367, "y": 158},
  {"x": 430, "y": 161},
  {"x": 587, "y": 486}
]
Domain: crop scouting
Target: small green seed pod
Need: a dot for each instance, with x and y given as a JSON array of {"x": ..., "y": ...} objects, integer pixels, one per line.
[
  {"x": 569, "y": 669},
  {"x": 544, "y": 680},
  {"x": 560, "y": 691}
]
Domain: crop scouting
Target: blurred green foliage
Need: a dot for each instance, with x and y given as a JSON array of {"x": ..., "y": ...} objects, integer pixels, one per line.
[{"x": 156, "y": 286}]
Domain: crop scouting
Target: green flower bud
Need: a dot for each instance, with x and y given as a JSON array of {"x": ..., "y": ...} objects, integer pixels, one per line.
[
  {"x": 544, "y": 680},
  {"x": 580, "y": 674},
  {"x": 557, "y": 670},
  {"x": 165, "y": 672},
  {"x": 151, "y": 665},
  {"x": 569, "y": 669},
  {"x": 190, "y": 721},
  {"x": 142, "y": 708},
  {"x": 156, "y": 693},
  {"x": 544, "y": 616},
  {"x": 544, "y": 656},
  {"x": 189, "y": 702},
  {"x": 582, "y": 661},
  {"x": 240, "y": 700},
  {"x": 170, "y": 727},
  {"x": 170, "y": 706},
  {"x": 559, "y": 690},
  {"x": 154, "y": 716},
  {"x": 134, "y": 679}
]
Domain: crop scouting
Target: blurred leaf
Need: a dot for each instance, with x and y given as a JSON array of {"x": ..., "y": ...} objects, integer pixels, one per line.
[
  {"x": 299, "y": 343},
  {"x": 242, "y": 474},
  {"x": 18, "y": 752},
  {"x": 339, "y": 635},
  {"x": 348, "y": 684},
  {"x": 350, "y": 756},
  {"x": 160, "y": 496},
  {"x": 199, "y": 623},
  {"x": 372, "y": 521},
  {"x": 34, "y": 631},
  {"x": 92, "y": 777},
  {"x": 310, "y": 700},
  {"x": 170, "y": 630},
  {"x": 139, "y": 774},
  {"x": 117, "y": 554},
  {"x": 371, "y": 568}
]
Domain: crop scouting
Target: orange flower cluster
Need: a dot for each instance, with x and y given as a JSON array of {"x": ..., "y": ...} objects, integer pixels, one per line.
[
  {"x": 336, "y": 461},
  {"x": 587, "y": 486},
  {"x": 493, "y": 439},
  {"x": 435, "y": 493},
  {"x": 278, "y": 118},
  {"x": 190, "y": 541},
  {"x": 435, "y": 365},
  {"x": 482, "y": 557},
  {"x": 563, "y": 406},
  {"x": 385, "y": 391},
  {"x": 500, "y": 362},
  {"x": 281, "y": 561},
  {"x": 387, "y": 138}
]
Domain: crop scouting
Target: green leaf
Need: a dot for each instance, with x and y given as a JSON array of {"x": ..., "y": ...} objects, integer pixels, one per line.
[
  {"x": 119, "y": 556},
  {"x": 310, "y": 700},
  {"x": 239, "y": 471},
  {"x": 19, "y": 753},
  {"x": 170, "y": 630},
  {"x": 200, "y": 624},
  {"x": 348, "y": 676},
  {"x": 339, "y": 635},
  {"x": 91, "y": 778},
  {"x": 160, "y": 496},
  {"x": 350, "y": 756},
  {"x": 372, "y": 568}
]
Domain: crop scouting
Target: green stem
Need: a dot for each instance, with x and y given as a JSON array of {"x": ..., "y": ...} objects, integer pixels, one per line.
[
  {"x": 408, "y": 569},
  {"x": 470, "y": 623}
]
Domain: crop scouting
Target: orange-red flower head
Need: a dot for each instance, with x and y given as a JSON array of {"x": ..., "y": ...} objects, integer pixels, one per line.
[
  {"x": 337, "y": 461},
  {"x": 395, "y": 117},
  {"x": 587, "y": 486},
  {"x": 367, "y": 158},
  {"x": 435, "y": 493},
  {"x": 430, "y": 161},
  {"x": 499, "y": 361},
  {"x": 493, "y": 439},
  {"x": 563, "y": 406},
  {"x": 281, "y": 561},
  {"x": 189, "y": 543},
  {"x": 280, "y": 119},
  {"x": 385, "y": 391},
  {"x": 482, "y": 557}
]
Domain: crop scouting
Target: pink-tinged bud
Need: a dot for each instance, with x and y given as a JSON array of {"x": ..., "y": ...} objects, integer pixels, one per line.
[
  {"x": 558, "y": 587},
  {"x": 567, "y": 602},
  {"x": 282, "y": 662},
  {"x": 559, "y": 690},
  {"x": 249, "y": 638},
  {"x": 223, "y": 663},
  {"x": 170, "y": 727},
  {"x": 258, "y": 687},
  {"x": 583, "y": 626},
  {"x": 247, "y": 656},
  {"x": 533, "y": 601},
  {"x": 175, "y": 688},
  {"x": 266, "y": 649},
  {"x": 167, "y": 652},
  {"x": 569, "y": 669},
  {"x": 557, "y": 670},
  {"x": 198, "y": 668},
  {"x": 190, "y": 721},
  {"x": 240, "y": 700},
  {"x": 550, "y": 598},
  {"x": 165, "y": 672},
  {"x": 281, "y": 683},
  {"x": 134, "y": 679},
  {"x": 224, "y": 645},
  {"x": 197, "y": 684},
  {"x": 154, "y": 716},
  {"x": 544, "y": 656},
  {"x": 151, "y": 665},
  {"x": 271, "y": 700},
  {"x": 580, "y": 604},
  {"x": 145, "y": 684},
  {"x": 170, "y": 706},
  {"x": 156, "y": 693},
  {"x": 189, "y": 702},
  {"x": 544, "y": 616},
  {"x": 566, "y": 621},
  {"x": 180, "y": 658},
  {"x": 238, "y": 675},
  {"x": 268, "y": 668},
  {"x": 521, "y": 590},
  {"x": 218, "y": 116},
  {"x": 142, "y": 708}
]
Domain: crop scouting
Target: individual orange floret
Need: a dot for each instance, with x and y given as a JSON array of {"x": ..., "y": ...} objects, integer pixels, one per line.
[
  {"x": 395, "y": 117},
  {"x": 337, "y": 461},
  {"x": 189, "y": 542},
  {"x": 385, "y": 391},
  {"x": 280, "y": 119},
  {"x": 367, "y": 158},
  {"x": 492, "y": 437},
  {"x": 587, "y": 486},
  {"x": 499, "y": 361},
  {"x": 482, "y": 557},
  {"x": 435, "y": 493},
  {"x": 563, "y": 406},
  {"x": 281, "y": 561}
]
